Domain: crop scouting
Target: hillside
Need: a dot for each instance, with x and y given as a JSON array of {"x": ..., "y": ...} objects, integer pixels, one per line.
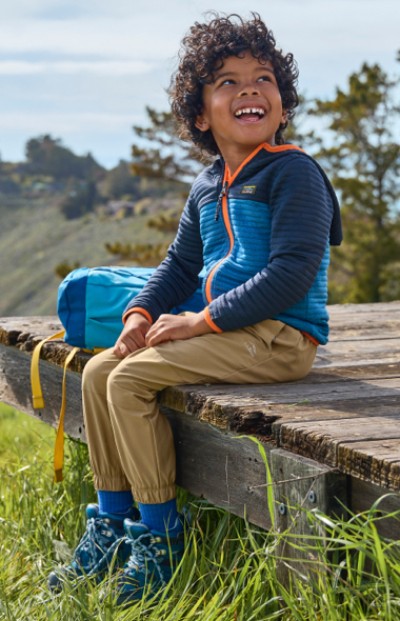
[{"x": 35, "y": 238}]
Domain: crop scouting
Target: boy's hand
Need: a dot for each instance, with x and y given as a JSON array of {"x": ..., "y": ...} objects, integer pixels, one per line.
[
  {"x": 132, "y": 336},
  {"x": 176, "y": 327}
]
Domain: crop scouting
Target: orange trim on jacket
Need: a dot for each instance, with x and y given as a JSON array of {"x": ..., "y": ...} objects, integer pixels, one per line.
[
  {"x": 310, "y": 338},
  {"x": 141, "y": 311},
  {"x": 209, "y": 321}
]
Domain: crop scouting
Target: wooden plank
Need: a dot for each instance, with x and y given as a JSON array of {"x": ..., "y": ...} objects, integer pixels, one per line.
[
  {"x": 364, "y": 352},
  {"x": 339, "y": 412},
  {"x": 352, "y": 330},
  {"x": 372, "y": 309},
  {"x": 228, "y": 470},
  {"x": 322, "y": 441},
  {"x": 225, "y": 469},
  {"x": 365, "y": 497},
  {"x": 353, "y": 369},
  {"x": 302, "y": 486},
  {"x": 377, "y": 461},
  {"x": 14, "y": 330},
  {"x": 237, "y": 413},
  {"x": 223, "y": 404},
  {"x": 25, "y": 332},
  {"x": 349, "y": 321},
  {"x": 15, "y": 390}
]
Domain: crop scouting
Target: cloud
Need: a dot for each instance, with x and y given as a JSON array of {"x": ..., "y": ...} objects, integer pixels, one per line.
[
  {"x": 66, "y": 122},
  {"x": 48, "y": 9},
  {"x": 113, "y": 68},
  {"x": 109, "y": 38}
]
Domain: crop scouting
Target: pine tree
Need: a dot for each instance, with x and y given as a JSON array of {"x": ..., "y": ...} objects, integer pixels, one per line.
[
  {"x": 362, "y": 158},
  {"x": 162, "y": 154}
]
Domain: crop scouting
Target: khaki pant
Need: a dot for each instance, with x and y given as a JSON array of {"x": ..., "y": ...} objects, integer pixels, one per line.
[{"x": 130, "y": 440}]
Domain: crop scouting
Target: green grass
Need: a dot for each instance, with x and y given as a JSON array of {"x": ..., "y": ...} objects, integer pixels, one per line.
[{"x": 229, "y": 572}]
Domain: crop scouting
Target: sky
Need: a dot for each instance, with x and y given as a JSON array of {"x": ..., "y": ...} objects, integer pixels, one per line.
[{"x": 84, "y": 71}]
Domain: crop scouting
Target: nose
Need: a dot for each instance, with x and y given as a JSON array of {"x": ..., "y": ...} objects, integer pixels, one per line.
[{"x": 250, "y": 88}]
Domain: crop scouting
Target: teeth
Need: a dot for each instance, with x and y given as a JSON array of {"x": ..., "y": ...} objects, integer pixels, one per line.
[{"x": 258, "y": 111}]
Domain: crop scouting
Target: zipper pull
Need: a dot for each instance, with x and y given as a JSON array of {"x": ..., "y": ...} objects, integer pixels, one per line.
[{"x": 223, "y": 193}]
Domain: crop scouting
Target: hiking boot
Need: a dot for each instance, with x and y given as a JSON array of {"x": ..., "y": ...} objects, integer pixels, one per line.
[
  {"x": 101, "y": 545},
  {"x": 154, "y": 557}
]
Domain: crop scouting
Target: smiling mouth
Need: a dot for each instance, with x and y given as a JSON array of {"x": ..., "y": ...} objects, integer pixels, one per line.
[{"x": 258, "y": 113}]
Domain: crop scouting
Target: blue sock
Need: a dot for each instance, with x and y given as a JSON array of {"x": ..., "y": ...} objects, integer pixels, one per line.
[
  {"x": 162, "y": 517},
  {"x": 115, "y": 502}
]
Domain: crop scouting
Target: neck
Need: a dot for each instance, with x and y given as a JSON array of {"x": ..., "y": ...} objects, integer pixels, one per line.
[{"x": 235, "y": 165}]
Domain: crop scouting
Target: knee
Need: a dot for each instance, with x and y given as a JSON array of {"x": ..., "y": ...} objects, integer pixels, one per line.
[
  {"x": 94, "y": 375},
  {"x": 127, "y": 382},
  {"x": 119, "y": 383}
]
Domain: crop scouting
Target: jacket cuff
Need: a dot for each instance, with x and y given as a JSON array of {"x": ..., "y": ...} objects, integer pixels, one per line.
[
  {"x": 210, "y": 322},
  {"x": 137, "y": 309}
]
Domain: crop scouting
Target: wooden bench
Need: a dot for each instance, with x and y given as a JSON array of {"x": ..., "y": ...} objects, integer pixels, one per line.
[{"x": 332, "y": 437}]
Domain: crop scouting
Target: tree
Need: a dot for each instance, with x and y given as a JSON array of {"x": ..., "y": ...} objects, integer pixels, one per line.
[
  {"x": 120, "y": 181},
  {"x": 64, "y": 268},
  {"x": 47, "y": 156},
  {"x": 146, "y": 255},
  {"x": 363, "y": 160},
  {"x": 79, "y": 200},
  {"x": 164, "y": 155}
]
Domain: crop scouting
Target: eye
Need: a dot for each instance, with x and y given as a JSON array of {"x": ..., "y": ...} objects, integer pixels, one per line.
[
  {"x": 264, "y": 78},
  {"x": 226, "y": 82}
]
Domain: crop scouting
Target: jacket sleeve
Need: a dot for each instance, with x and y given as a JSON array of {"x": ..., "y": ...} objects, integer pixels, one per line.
[
  {"x": 301, "y": 215},
  {"x": 176, "y": 278}
]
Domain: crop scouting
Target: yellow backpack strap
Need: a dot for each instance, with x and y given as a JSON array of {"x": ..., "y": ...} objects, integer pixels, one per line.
[
  {"x": 59, "y": 445},
  {"x": 37, "y": 395}
]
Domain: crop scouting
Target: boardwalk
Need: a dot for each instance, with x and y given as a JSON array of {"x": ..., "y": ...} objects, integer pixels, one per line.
[{"x": 339, "y": 428}]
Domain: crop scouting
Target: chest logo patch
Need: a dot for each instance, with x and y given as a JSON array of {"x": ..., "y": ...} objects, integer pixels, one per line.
[{"x": 248, "y": 189}]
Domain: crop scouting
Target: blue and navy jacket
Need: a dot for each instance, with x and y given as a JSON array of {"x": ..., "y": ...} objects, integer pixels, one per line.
[{"x": 258, "y": 242}]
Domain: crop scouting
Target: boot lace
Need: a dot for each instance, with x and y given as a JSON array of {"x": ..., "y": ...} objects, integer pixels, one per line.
[
  {"x": 98, "y": 537},
  {"x": 145, "y": 550}
]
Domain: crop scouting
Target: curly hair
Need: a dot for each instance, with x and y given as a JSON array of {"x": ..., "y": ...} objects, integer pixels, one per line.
[{"x": 204, "y": 50}]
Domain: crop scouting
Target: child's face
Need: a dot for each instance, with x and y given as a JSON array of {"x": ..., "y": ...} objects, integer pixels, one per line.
[{"x": 242, "y": 107}]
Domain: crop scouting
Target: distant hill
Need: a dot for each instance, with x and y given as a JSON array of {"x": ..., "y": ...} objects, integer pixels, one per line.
[
  {"x": 60, "y": 208},
  {"x": 35, "y": 237}
]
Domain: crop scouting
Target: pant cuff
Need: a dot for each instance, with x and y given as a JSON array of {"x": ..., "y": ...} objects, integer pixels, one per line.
[
  {"x": 154, "y": 496},
  {"x": 111, "y": 484}
]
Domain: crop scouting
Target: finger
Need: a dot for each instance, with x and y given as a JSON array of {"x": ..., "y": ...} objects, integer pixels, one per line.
[
  {"x": 124, "y": 348},
  {"x": 155, "y": 338},
  {"x": 120, "y": 349}
]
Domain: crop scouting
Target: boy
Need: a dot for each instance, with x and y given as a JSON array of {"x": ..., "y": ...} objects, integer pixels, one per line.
[{"x": 256, "y": 228}]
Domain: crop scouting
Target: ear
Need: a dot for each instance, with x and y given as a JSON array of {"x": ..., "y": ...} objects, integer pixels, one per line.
[
  {"x": 284, "y": 117},
  {"x": 201, "y": 123}
]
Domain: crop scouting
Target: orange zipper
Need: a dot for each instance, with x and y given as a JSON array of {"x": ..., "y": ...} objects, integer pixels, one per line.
[
  {"x": 223, "y": 197},
  {"x": 223, "y": 201}
]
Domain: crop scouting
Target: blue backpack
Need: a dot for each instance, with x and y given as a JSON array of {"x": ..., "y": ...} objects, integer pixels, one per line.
[{"x": 91, "y": 302}]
